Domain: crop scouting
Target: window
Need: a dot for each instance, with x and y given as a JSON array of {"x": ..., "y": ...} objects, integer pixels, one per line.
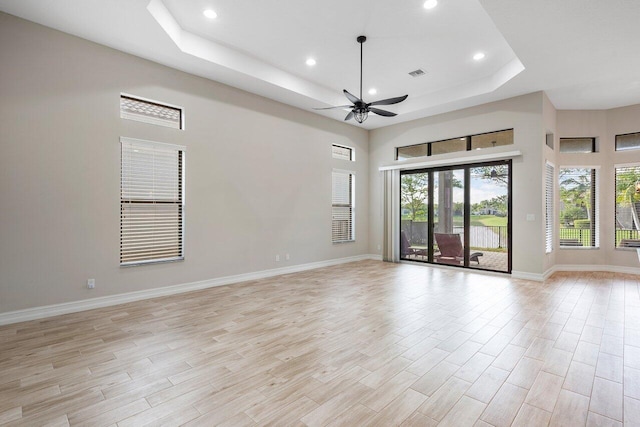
[
  {"x": 466, "y": 143},
  {"x": 152, "y": 112},
  {"x": 577, "y": 145},
  {"x": 578, "y": 207},
  {"x": 404, "y": 153},
  {"x": 342, "y": 207},
  {"x": 492, "y": 139},
  {"x": 629, "y": 141},
  {"x": 549, "y": 140},
  {"x": 342, "y": 153},
  {"x": 151, "y": 202},
  {"x": 448, "y": 146},
  {"x": 627, "y": 206},
  {"x": 548, "y": 222}
]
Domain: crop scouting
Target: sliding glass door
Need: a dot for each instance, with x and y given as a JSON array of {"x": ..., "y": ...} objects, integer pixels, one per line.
[{"x": 457, "y": 216}]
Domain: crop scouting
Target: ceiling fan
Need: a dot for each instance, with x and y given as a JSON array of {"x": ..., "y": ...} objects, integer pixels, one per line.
[{"x": 359, "y": 109}]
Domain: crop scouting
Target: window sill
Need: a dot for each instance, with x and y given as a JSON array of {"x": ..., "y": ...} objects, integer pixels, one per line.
[
  {"x": 155, "y": 261},
  {"x": 344, "y": 241}
]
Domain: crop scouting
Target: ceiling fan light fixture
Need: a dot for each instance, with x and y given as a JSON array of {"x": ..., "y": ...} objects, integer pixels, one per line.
[
  {"x": 360, "y": 114},
  {"x": 359, "y": 110}
]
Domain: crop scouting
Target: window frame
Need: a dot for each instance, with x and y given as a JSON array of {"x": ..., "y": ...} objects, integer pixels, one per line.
[
  {"x": 615, "y": 208},
  {"x": 595, "y": 210},
  {"x": 180, "y": 192},
  {"x": 591, "y": 139},
  {"x": 625, "y": 134},
  {"x": 149, "y": 120},
  {"x": 467, "y": 138},
  {"x": 352, "y": 152},
  {"x": 350, "y": 205}
]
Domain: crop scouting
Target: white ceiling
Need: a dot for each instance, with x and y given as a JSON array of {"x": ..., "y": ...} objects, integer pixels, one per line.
[{"x": 583, "y": 53}]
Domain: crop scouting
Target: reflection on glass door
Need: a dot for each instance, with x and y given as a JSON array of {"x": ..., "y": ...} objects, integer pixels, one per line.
[
  {"x": 489, "y": 221},
  {"x": 457, "y": 216},
  {"x": 414, "y": 230},
  {"x": 448, "y": 222}
]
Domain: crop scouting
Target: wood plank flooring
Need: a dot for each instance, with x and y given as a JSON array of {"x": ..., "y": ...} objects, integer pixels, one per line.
[{"x": 365, "y": 343}]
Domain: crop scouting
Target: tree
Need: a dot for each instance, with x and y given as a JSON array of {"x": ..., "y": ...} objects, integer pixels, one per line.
[
  {"x": 414, "y": 192},
  {"x": 575, "y": 193},
  {"x": 626, "y": 194}
]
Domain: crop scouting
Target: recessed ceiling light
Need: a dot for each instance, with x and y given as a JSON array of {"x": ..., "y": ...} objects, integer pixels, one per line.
[
  {"x": 373, "y": 91},
  {"x": 210, "y": 13},
  {"x": 311, "y": 62},
  {"x": 430, "y": 4},
  {"x": 478, "y": 56}
]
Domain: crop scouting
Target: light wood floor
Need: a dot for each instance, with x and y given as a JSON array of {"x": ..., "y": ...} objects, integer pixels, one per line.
[{"x": 366, "y": 343}]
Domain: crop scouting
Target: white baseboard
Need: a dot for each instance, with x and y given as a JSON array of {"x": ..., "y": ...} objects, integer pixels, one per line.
[{"x": 88, "y": 304}]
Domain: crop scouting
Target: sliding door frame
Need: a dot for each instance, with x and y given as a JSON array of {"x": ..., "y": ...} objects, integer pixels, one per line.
[{"x": 466, "y": 167}]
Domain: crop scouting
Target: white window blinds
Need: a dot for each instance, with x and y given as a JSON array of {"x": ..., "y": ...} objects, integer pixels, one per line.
[
  {"x": 548, "y": 224},
  {"x": 342, "y": 207},
  {"x": 151, "y": 202}
]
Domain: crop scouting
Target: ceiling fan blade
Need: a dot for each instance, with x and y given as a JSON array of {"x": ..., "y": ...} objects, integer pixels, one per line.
[
  {"x": 331, "y": 108},
  {"x": 389, "y": 101},
  {"x": 349, "y": 116},
  {"x": 382, "y": 112},
  {"x": 351, "y": 97}
]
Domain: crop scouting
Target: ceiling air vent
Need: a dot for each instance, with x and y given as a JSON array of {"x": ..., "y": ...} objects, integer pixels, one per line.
[{"x": 417, "y": 73}]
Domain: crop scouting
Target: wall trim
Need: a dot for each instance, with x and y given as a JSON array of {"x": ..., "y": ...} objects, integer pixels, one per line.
[{"x": 42, "y": 312}]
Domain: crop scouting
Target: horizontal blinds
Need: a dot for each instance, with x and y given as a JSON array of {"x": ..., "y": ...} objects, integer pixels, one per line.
[
  {"x": 549, "y": 180},
  {"x": 151, "y": 207},
  {"x": 342, "y": 207}
]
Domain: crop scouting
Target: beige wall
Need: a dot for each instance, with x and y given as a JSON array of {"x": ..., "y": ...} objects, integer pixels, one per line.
[
  {"x": 258, "y": 173},
  {"x": 524, "y": 115},
  {"x": 603, "y": 125}
]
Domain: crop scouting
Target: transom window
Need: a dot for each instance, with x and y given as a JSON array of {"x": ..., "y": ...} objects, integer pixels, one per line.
[{"x": 465, "y": 143}]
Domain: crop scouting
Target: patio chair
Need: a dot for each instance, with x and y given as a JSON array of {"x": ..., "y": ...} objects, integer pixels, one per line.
[
  {"x": 451, "y": 250},
  {"x": 406, "y": 249}
]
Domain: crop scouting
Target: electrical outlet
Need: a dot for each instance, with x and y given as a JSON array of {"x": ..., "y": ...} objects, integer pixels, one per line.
[
  {"x": 277, "y": 258},
  {"x": 287, "y": 257},
  {"x": 91, "y": 283},
  {"x": 378, "y": 247}
]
